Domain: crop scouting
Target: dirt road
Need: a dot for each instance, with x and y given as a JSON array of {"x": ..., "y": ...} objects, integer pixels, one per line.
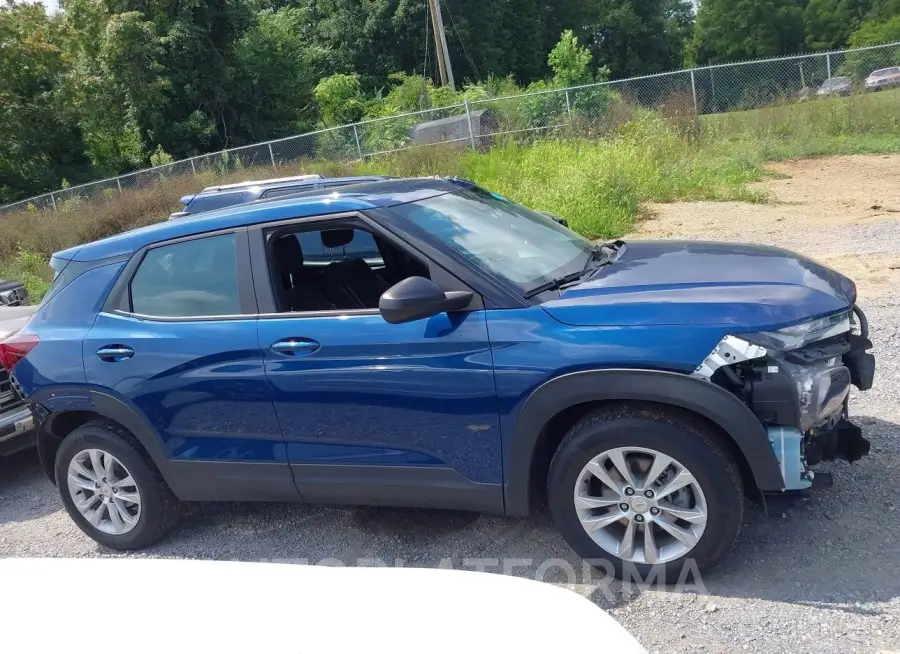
[{"x": 843, "y": 211}]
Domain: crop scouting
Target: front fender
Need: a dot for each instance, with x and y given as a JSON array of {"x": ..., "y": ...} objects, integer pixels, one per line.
[{"x": 698, "y": 396}]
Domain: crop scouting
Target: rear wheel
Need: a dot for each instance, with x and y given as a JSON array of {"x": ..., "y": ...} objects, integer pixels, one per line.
[
  {"x": 649, "y": 490},
  {"x": 111, "y": 489}
]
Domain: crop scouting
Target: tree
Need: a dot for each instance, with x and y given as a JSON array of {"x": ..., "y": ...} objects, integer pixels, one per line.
[
  {"x": 732, "y": 30},
  {"x": 829, "y": 23},
  {"x": 40, "y": 143},
  {"x": 872, "y": 32},
  {"x": 875, "y": 33},
  {"x": 273, "y": 60},
  {"x": 340, "y": 99},
  {"x": 634, "y": 37},
  {"x": 570, "y": 62}
]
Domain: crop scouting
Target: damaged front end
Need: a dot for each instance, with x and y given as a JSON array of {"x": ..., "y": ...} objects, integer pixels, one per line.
[{"x": 797, "y": 382}]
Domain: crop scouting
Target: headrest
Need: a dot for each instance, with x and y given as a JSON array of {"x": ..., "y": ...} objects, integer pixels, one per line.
[
  {"x": 288, "y": 251},
  {"x": 337, "y": 238}
]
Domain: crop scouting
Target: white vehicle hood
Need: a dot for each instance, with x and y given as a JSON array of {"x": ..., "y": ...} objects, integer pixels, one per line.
[
  {"x": 12, "y": 319},
  {"x": 174, "y": 606}
]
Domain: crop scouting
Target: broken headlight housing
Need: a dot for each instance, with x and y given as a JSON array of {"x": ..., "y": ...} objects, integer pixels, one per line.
[
  {"x": 821, "y": 389},
  {"x": 822, "y": 384},
  {"x": 797, "y": 336}
]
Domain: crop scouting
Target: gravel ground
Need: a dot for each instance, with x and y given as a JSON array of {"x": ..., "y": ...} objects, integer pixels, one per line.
[{"x": 817, "y": 574}]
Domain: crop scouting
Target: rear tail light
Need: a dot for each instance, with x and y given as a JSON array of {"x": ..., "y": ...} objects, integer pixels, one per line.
[{"x": 15, "y": 348}]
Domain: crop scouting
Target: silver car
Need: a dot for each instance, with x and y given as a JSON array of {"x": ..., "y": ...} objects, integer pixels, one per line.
[{"x": 883, "y": 78}]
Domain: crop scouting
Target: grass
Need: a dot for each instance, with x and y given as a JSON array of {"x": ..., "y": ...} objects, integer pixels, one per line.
[{"x": 598, "y": 184}]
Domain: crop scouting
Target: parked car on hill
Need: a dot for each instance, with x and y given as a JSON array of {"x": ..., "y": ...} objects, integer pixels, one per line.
[
  {"x": 883, "y": 78},
  {"x": 487, "y": 358},
  {"x": 16, "y": 419},
  {"x": 836, "y": 86},
  {"x": 226, "y": 195}
]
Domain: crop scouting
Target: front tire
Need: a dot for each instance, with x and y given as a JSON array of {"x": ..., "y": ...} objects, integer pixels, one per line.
[
  {"x": 649, "y": 490},
  {"x": 111, "y": 489}
]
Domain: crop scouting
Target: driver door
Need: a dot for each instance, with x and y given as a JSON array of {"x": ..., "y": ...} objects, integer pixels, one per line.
[{"x": 379, "y": 413}]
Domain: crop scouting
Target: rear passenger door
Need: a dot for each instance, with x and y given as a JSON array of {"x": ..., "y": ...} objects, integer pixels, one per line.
[{"x": 177, "y": 343}]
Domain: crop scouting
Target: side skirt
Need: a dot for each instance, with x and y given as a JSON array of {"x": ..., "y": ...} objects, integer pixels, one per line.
[
  {"x": 219, "y": 481},
  {"x": 419, "y": 487}
]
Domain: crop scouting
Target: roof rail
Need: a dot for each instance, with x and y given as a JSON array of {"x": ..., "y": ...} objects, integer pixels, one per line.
[{"x": 277, "y": 180}]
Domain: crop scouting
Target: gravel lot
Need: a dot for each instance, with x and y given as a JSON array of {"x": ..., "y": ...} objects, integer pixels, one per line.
[{"x": 818, "y": 574}]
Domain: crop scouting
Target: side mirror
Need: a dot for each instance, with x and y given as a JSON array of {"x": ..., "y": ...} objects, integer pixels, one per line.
[{"x": 415, "y": 298}]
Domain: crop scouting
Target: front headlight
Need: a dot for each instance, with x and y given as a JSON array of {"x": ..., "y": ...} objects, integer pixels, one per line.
[
  {"x": 821, "y": 389},
  {"x": 794, "y": 337}
]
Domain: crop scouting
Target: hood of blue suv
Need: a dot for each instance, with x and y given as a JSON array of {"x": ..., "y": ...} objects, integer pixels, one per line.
[{"x": 746, "y": 287}]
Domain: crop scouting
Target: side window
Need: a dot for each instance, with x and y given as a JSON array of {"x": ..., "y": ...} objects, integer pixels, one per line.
[
  {"x": 191, "y": 278},
  {"x": 336, "y": 269}
]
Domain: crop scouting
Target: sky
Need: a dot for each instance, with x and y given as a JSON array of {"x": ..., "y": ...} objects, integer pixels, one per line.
[{"x": 51, "y": 5}]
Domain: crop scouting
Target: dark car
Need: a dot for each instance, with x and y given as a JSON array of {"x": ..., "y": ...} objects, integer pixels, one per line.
[
  {"x": 487, "y": 359},
  {"x": 219, "y": 197},
  {"x": 836, "y": 86}
]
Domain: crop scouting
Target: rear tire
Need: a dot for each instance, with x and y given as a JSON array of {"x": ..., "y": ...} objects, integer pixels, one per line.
[
  {"x": 701, "y": 519},
  {"x": 111, "y": 489}
]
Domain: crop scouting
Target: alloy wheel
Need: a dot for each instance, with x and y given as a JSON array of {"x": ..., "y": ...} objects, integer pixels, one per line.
[
  {"x": 104, "y": 492},
  {"x": 640, "y": 505}
]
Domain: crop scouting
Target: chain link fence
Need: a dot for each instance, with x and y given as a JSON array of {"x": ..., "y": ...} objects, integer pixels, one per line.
[{"x": 590, "y": 110}]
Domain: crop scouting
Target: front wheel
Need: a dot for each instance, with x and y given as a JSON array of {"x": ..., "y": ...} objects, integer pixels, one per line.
[{"x": 649, "y": 490}]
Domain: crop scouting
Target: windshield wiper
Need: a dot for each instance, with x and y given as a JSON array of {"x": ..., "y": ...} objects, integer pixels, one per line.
[
  {"x": 601, "y": 255},
  {"x": 556, "y": 282}
]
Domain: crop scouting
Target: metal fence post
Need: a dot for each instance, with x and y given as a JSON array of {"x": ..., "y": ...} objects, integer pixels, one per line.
[
  {"x": 694, "y": 91},
  {"x": 53, "y": 200},
  {"x": 469, "y": 118},
  {"x": 193, "y": 167},
  {"x": 272, "y": 156},
  {"x": 568, "y": 108},
  {"x": 358, "y": 146},
  {"x": 828, "y": 63}
]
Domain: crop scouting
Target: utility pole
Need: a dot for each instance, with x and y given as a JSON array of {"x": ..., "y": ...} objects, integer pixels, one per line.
[{"x": 440, "y": 44}]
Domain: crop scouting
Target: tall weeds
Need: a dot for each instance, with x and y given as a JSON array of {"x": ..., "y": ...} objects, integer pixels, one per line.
[{"x": 596, "y": 176}]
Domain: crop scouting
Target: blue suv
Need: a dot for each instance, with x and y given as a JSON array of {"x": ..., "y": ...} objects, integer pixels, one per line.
[{"x": 486, "y": 358}]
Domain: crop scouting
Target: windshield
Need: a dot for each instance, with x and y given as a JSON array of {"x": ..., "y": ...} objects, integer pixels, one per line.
[
  {"x": 885, "y": 72},
  {"x": 505, "y": 239},
  {"x": 836, "y": 81}
]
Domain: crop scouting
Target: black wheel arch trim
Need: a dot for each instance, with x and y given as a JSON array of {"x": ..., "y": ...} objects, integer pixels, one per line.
[
  {"x": 102, "y": 405},
  {"x": 117, "y": 410},
  {"x": 663, "y": 387}
]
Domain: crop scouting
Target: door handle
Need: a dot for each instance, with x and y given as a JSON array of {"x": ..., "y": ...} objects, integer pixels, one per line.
[
  {"x": 115, "y": 353},
  {"x": 295, "y": 347}
]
